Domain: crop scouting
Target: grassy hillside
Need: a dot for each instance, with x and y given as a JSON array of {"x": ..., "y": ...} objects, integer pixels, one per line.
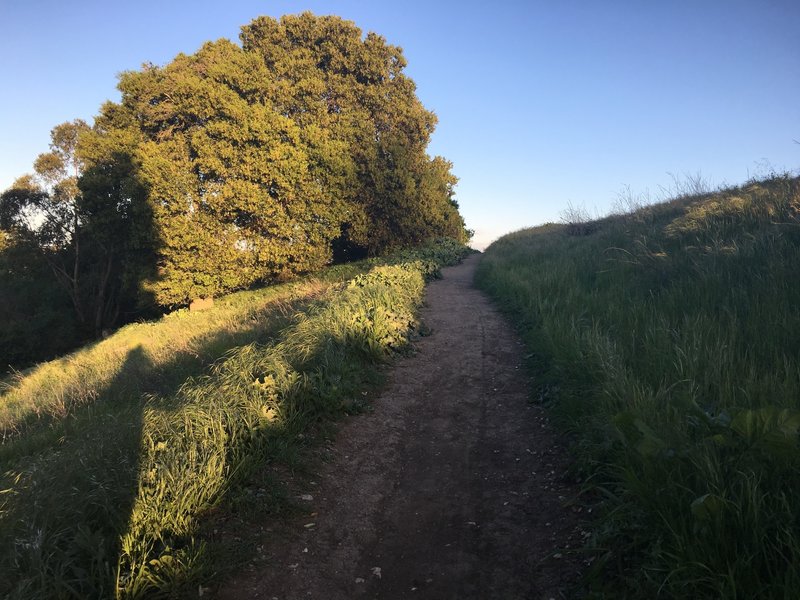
[
  {"x": 111, "y": 455},
  {"x": 667, "y": 340}
]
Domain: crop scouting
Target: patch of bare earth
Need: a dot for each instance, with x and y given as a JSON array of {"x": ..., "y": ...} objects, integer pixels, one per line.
[{"x": 454, "y": 486}]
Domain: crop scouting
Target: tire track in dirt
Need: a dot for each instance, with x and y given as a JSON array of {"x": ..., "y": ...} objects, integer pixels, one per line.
[{"x": 452, "y": 487}]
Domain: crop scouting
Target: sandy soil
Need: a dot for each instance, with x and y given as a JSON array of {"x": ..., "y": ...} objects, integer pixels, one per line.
[{"x": 452, "y": 487}]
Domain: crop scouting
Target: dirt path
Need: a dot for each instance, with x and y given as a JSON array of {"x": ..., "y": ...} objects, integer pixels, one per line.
[{"x": 451, "y": 488}]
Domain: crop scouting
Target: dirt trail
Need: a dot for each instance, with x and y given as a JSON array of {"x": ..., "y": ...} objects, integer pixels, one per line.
[{"x": 451, "y": 488}]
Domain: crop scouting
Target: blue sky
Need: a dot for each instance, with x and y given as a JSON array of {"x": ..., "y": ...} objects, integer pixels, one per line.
[{"x": 540, "y": 104}]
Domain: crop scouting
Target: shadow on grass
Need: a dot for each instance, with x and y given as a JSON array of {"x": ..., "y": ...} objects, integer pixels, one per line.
[
  {"x": 61, "y": 521},
  {"x": 39, "y": 432},
  {"x": 113, "y": 506},
  {"x": 71, "y": 483}
]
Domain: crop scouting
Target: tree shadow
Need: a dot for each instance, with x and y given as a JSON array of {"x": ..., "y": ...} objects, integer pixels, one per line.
[
  {"x": 62, "y": 521},
  {"x": 70, "y": 482},
  {"x": 75, "y": 480}
]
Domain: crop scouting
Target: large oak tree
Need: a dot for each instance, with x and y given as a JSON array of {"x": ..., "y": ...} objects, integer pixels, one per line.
[
  {"x": 238, "y": 164},
  {"x": 258, "y": 159}
]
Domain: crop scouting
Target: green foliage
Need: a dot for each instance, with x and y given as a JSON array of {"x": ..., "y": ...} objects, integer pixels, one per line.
[
  {"x": 234, "y": 194},
  {"x": 354, "y": 88},
  {"x": 37, "y": 321},
  {"x": 112, "y": 455},
  {"x": 40, "y": 263},
  {"x": 256, "y": 159},
  {"x": 668, "y": 343}
]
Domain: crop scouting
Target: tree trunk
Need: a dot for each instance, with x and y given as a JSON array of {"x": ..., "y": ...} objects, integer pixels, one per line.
[{"x": 101, "y": 304}]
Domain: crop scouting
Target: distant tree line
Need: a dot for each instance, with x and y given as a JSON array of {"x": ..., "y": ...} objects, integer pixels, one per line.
[{"x": 225, "y": 168}]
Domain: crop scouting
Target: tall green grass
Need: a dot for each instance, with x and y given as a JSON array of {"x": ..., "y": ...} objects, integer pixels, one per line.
[
  {"x": 111, "y": 505},
  {"x": 667, "y": 340}
]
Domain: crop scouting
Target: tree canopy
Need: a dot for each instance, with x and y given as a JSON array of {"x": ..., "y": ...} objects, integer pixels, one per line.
[
  {"x": 258, "y": 159},
  {"x": 237, "y": 164}
]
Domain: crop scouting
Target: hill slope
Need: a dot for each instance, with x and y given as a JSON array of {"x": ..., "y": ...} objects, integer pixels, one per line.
[
  {"x": 110, "y": 456},
  {"x": 667, "y": 341}
]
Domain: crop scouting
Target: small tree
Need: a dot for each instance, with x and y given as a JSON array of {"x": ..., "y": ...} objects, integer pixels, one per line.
[
  {"x": 43, "y": 209},
  {"x": 78, "y": 211},
  {"x": 36, "y": 319}
]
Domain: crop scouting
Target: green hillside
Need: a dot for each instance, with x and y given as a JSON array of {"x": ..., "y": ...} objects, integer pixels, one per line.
[
  {"x": 667, "y": 342},
  {"x": 110, "y": 456}
]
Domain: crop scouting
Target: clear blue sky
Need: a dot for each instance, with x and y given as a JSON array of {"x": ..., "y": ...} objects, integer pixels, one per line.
[{"x": 540, "y": 104}]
